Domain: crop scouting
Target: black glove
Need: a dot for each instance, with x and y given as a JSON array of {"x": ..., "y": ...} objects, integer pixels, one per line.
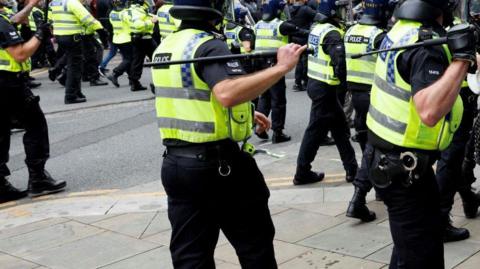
[
  {"x": 462, "y": 41},
  {"x": 43, "y": 31}
]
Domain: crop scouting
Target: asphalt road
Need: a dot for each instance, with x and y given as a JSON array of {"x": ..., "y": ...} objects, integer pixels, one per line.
[{"x": 111, "y": 142}]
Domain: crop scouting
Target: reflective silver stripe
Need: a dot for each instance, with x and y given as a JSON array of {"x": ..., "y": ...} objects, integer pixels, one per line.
[
  {"x": 84, "y": 19},
  {"x": 117, "y": 28},
  {"x": 368, "y": 58},
  {"x": 321, "y": 75},
  {"x": 66, "y": 22},
  {"x": 183, "y": 93},
  {"x": 186, "y": 125},
  {"x": 392, "y": 89},
  {"x": 264, "y": 37},
  {"x": 166, "y": 31},
  {"x": 265, "y": 49},
  {"x": 61, "y": 12},
  {"x": 317, "y": 61},
  {"x": 68, "y": 28},
  {"x": 4, "y": 62},
  {"x": 360, "y": 74},
  {"x": 387, "y": 122},
  {"x": 166, "y": 23}
]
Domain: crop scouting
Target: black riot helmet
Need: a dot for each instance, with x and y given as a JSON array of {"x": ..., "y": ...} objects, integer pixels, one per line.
[
  {"x": 201, "y": 10},
  {"x": 427, "y": 10}
]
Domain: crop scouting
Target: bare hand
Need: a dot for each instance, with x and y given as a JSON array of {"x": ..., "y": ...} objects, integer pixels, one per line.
[
  {"x": 287, "y": 56},
  {"x": 154, "y": 19},
  {"x": 33, "y": 2},
  {"x": 263, "y": 123}
]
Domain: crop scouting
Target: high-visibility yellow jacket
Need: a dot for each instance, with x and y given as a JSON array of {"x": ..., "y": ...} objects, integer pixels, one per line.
[{"x": 70, "y": 17}]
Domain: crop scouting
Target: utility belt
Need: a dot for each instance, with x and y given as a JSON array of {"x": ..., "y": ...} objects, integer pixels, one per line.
[
  {"x": 405, "y": 167},
  {"x": 8, "y": 76},
  {"x": 221, "y": 151},
  {"x": 139, "y": 36}
]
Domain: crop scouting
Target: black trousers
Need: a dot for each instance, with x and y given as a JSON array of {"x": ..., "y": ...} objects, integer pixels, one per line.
[
  {"x": 125, "y": 65},
  {"x": 275, "y": 100},
  {"x": 361, "y": 104},
  {"x": 326, "y": 114},
  {"x": 301, "y": 77},
  {"x": 140, "y": 48},
  {"x": 362, "y": 180},
  {"x": 17, "y": 101},
  {"x": 91, "y": 49},
  {"x": 72, "y": 46},
  {"x": 449, "y": 167},
  {"x": 415, "y": 219},
  {"x": 201, "y": 203}
]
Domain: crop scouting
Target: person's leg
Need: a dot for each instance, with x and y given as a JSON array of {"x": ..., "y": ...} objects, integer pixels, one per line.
[
  {"x": 73, "y": 52},
  {"x": 265, "y": 103},
  {"x": 5, "y": 133},
  {"x": 124, "y": 66},
  {"x": 279, "y": 105},
  {"x": 415, "y": 222},
  {"x": 111, "y": 53},
  {"x": 247, "y": 223},
  {"x": 191, "y": 190},
  {"x": 136, "y": 69},
  {"x": 361, "y": 103}
]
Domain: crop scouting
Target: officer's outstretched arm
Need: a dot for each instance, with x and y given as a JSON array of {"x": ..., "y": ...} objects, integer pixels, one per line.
[
  {"x": 22, "y": 15},
  {"x": 21, "y": 52},
  {"x": 231, "y": 92},
  {"x": 437, "y": 100}
]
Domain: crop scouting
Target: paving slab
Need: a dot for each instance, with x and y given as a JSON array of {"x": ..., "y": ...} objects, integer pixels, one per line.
[
  {"x": 26, "y": 228},
  {"x": 155, "y": 258},
  {"x": 133, "y": 224},
  {"x": 93, "y": 218},
  {"x": 10, "y": 262},
  {"x": 283, "y": 252},
  {"x": 455, "y": 253},
  {"x": 332, "y": 209},
  {"x": 472, "y": 263},
  {"x": 474, "y": 227},
  {"x": 351, "y": 238},
  {"x": 55, "y": 235},
  {"x": 108, "y": 248},
  {"x": 316, "y": 259},
  {"x": 227, "y": 265},
  {"x": 296, "y": 196},
  {"x": 160, "y": 223},
  {"x": 294, "y": 225}
]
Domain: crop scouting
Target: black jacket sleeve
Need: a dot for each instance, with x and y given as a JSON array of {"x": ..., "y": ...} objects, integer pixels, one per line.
[
  {"x": 334, "y": 46},
  {"x": 289, "y": 29}
]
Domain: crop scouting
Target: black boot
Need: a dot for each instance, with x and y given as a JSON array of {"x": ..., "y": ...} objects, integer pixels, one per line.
[
  {"x": 303, "y": 178},
  {"x": 453, "y": 234},
  {"x": 471, "y": 202},
  {"x": 358, "y": 207},
  {"x": 97, "y": 82},
  {"x": 136, "y": 86},
  {"x": 52, "y": 74},
  {"x": 114, "y": 79},
  {"x": 280, "y": 137},
  {"x": 41, "y": 183},
  {"x": 262, "y": 135},
  {"x": 10, "y": 193}
]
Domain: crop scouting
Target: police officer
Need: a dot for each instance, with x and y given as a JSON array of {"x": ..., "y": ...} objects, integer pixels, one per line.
[
  {"x": 141, "y": 28},
  {"x": 415, "y": 110},
  {"x": 46, "y": 51},
  {"x": 303, "y": 17},
  {"x": 70, "y": 21},
  {"x": 365, "y": 36},
  {"x": 92, "y": 52},
  {"x": 211, "y": 183},
  {"x": 122, "y": 39},
  {"x": 166, "y": 23},
  {"x": 326, "y": 72},
  {"x": 16, "y": 100},
  {"x": 272, "y": 33},
  {"x": 240, "y": 39}
]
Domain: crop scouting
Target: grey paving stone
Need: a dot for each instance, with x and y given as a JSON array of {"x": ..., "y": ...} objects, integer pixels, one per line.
[
  {"x": 474, "y": 227},
  {"x": 92, "y": 219},
  {"x": 163, "y": 238},
  {"x": 354, "y": 239},
  {"x": 332, "y": 209},
  {"x": 10, "y": 262},
  {"x": 472, "y": 263},
  {"x": 48, "y": 237},
  {"x": 30, "y": 227},
  {"x": 156, "y": 258},
  {"x": 227, "y": 265},
  {"x": 316, "y": 259},
  {"x": 274, "y": 210},
  {"x": 294, "y": 225},
  {"x": 283, "y": 252},
  {"x": 455, "y": 253},
  {"x": 91, "y": 252},
  {"x": 296, "y": 196},
  {"x": 133, "y": 224},
  {"x": 159, "y": 224}
]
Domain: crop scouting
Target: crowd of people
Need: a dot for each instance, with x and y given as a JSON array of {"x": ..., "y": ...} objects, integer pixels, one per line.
[{"x": 412, "y": 108}]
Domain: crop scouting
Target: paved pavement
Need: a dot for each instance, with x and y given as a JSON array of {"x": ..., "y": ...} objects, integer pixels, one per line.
[{"x": 126, "y": 226}]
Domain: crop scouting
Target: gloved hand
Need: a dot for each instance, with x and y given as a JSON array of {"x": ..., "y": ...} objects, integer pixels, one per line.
[
  {"x": 461, "y": 40},
  {"x": 43, "y": 31}
]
